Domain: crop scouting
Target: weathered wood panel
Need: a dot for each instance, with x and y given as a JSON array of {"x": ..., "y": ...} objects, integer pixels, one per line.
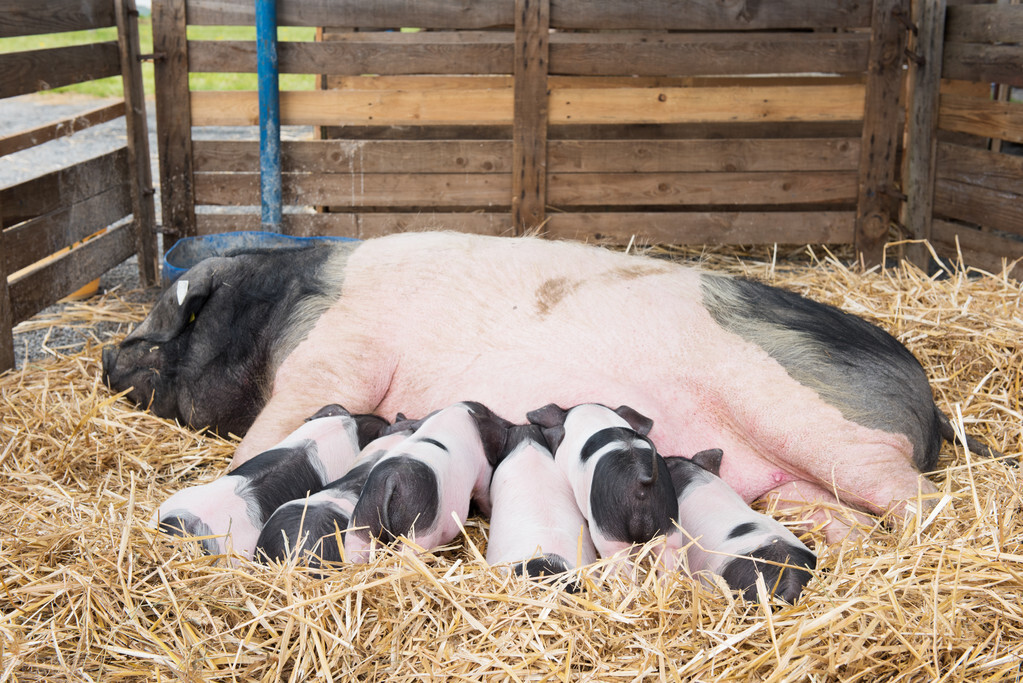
[
  {"x": 31, "y": 17},
  {"x": 979, "y": 249},
  {"x": 529, "y": 128},
  {"x": 40, "y": 237},
  {"x": 6, "y": 313},
  {"x": 986, "y": 118},
  {"x": 990, "y": 63},
  {"x": 44, "y": 286},
  {"x": 991, "y": 208},
  {"x": 717, "y": 227},
  {"x": 1000, "y": 172},
  {"x": 51, "y": 131},
  {"x": 984, "y": 23},
  {"x": 58, "y": 189},
  {"x": 570, "y": 106},
  {"x": 35, "y": 70},
  {"x": 363, "y": 225},
  {"x": 573, "y": 54},
  {"x": 384, "y": 14}
]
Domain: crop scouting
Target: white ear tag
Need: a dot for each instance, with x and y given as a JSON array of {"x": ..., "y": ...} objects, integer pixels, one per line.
[{"x": 182, "y": 291}]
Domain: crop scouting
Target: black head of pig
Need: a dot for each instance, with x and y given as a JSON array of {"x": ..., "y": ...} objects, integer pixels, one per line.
[{"x": 208, "y": 350}]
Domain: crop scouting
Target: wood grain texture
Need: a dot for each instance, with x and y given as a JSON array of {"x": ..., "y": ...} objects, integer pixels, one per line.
[
  {"x": 383, "y": 14},
  {"x": 986, "y": 118},
  {"x": 972, "y": 166},
  {"x": 980, "y": 205},
  {"x": 989, "y": 63},
  {"x": 6, "y": 312},
  {"x": 985, "y": 23},
  {"x": 979, "y": 249},
  {"x": 35, "y": 70},
  {"x": 529, "y": 128},
  {"x": 31, "y": 17},
  {"x": 363, "y": 225}
]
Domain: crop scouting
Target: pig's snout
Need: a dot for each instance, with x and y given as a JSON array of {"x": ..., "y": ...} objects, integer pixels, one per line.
[
  {"x": 786, "y": 569},
  {"x": 109, "y": 360}
]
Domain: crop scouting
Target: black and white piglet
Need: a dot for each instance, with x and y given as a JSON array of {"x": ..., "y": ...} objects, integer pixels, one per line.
[
  {"x": 230, "y": 511},
  {"x": 419, "y": 488},
  {"x": 720, "y": 534},
  {"x": 621, "y": 484},
  {"x": 535, "y": 523}
]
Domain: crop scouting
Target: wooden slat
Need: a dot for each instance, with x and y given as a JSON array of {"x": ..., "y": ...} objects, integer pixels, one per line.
[
  {"x": 718, "y": 227},
  {"x": 575, "y": 106},
  {"x": 385, "y": 14},
  {"x": 584, "y": 54},
  {"x": 986, "y": 118},
  {"x": 6, "y": 313},
  {"x": 40, "y": 237},
  {"x": 707, "y": 15},
  {"x": 173, "y": 120},
  {"x": 30, "y": 17},
  {"x": 362, "y": 225},
  {"x": 674, "y": 189},
  {"x": 979, "y": 205},
  {"x": 35, "y": 70},
  {"x": 924, "y": 85},
  {"x": 988, "y": 63},
  {"x": 42, "y": 287},
  {"x": 141, "y": 176},
  {"x": 1000, "y": 172},
  {"x": 529, "y": 129},
  {"x": 881, "y": 128},
  {"x": 563, "y": 156},
  {"x": 979, "y": 249},
  {"x": 984, "y": 24},
  {"x": 64, "y": 187},
  {"x": 51, "y": 131},
  {"x": 380, "y": 189}
]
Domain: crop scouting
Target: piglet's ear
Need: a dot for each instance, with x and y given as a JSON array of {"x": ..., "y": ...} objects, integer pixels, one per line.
[
  {"x": 493, "y": 430},
  {"x": 554, "y": 436},
  {"x": 710, "y": 460},
  {"x": 641, "y": 423},
  {"x": 551, "y": 415},
  {"x": 369, "y": 427}
]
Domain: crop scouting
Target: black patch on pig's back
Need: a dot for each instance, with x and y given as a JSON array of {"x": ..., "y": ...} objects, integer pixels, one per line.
[{"x": 852, "y": 364}]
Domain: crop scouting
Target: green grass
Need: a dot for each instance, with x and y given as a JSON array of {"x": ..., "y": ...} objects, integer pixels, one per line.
[{"x": 111, "y": 87}]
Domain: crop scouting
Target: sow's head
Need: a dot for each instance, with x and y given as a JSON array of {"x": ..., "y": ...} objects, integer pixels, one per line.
[{"x": 206, "y": 353}]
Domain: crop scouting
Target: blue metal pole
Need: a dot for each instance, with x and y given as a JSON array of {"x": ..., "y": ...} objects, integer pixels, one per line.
[{"x": 269, "y": 115}]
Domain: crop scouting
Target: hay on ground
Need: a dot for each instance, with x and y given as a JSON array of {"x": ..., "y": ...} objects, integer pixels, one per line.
[{"x": 87, "y": 592}]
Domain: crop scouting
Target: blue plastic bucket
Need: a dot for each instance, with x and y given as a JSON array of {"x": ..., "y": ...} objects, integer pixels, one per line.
[{"x": 189, "y": 251}]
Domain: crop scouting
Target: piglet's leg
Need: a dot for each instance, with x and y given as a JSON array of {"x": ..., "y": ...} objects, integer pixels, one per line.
[{"x": 818, "y": 508}]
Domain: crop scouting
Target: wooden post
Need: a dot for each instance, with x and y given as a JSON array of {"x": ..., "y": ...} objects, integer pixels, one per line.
[
  {"x": 173, "y": 120},
  {"x": 6, "y": 312},
  {"x": 881, "y": 129},
  {"x": 138, "y": 142},
  {"x": 925, "y": 84},
  {"x": 529, "y": 131}
]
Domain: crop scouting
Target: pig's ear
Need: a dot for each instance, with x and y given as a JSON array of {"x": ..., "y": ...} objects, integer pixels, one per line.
[
  {"x": 517, "y": 434},
  {"x": 554, "y": 436},
  {"x": 641, "y": 423},
  {"x": 493, "y": 430},
  {"x": 177, "y": 307},
  {"x": 551, "y": 415},
  {"x": 710, "y": 460},
  {"x": 369, "y": 427}
]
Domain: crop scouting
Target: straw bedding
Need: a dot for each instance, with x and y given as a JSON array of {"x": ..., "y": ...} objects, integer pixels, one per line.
[{"x": 89, "y": 593}]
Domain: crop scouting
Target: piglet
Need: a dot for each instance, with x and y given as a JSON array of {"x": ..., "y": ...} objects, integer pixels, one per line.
[
  {"x": 621, "y": 484},
  {"x": 311, "y": 527},
  {"x": 722, "y": 535},
  {"x": 422, "y": 485},
  {"x": 535, "y": 522},
  {"x": 231, "y": 510}
]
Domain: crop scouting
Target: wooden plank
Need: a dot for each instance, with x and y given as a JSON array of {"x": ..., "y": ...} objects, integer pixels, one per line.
[
  {"x": 51, "y": 131},
  {"x": 984, "y": 24},
  {"x": 31, "y": 17},
  {"x": 1000, "y": 172},
  {"x": 708, "y": 15},
  {"x": 717, "y": 227},
  {"x": 378, "y": 189},
  {"x": 363, "y": 225},
  {"x": 383, "y": 14},
  {"x": 988, "y": 63},
  {"x": 35, "y": 70},
  {"x": 34, "y": 290},
  {"x": 64, "y": 187},
  {"x": 980, "y": 205},
  {"x": 563, "y": 156},
  {"x": 881, "y": 128},
  {"x": 573, "y": 106},
  {"x": 141, "y": 179},
  {"x": 979, "y": 249},
  {"x": 40, "y": 237},
  {"x": 173, "y": 120},
  {"x": 6, "y": 313},
  {"x": 529, "y": 129},
  {"x": 687, "y": 54},
  {"x": 675, "y": 189},
  {"x": 427, "y": 52},
  {"x": 986, "y": 118},
  {"x": 923, "y": 87}
]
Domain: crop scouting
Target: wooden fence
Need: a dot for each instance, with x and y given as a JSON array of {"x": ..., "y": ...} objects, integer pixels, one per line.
[
  {"x": 698, "y": 122},
  {"x": 66, "y": 228},
  {"x": 964, "y": 188}
]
